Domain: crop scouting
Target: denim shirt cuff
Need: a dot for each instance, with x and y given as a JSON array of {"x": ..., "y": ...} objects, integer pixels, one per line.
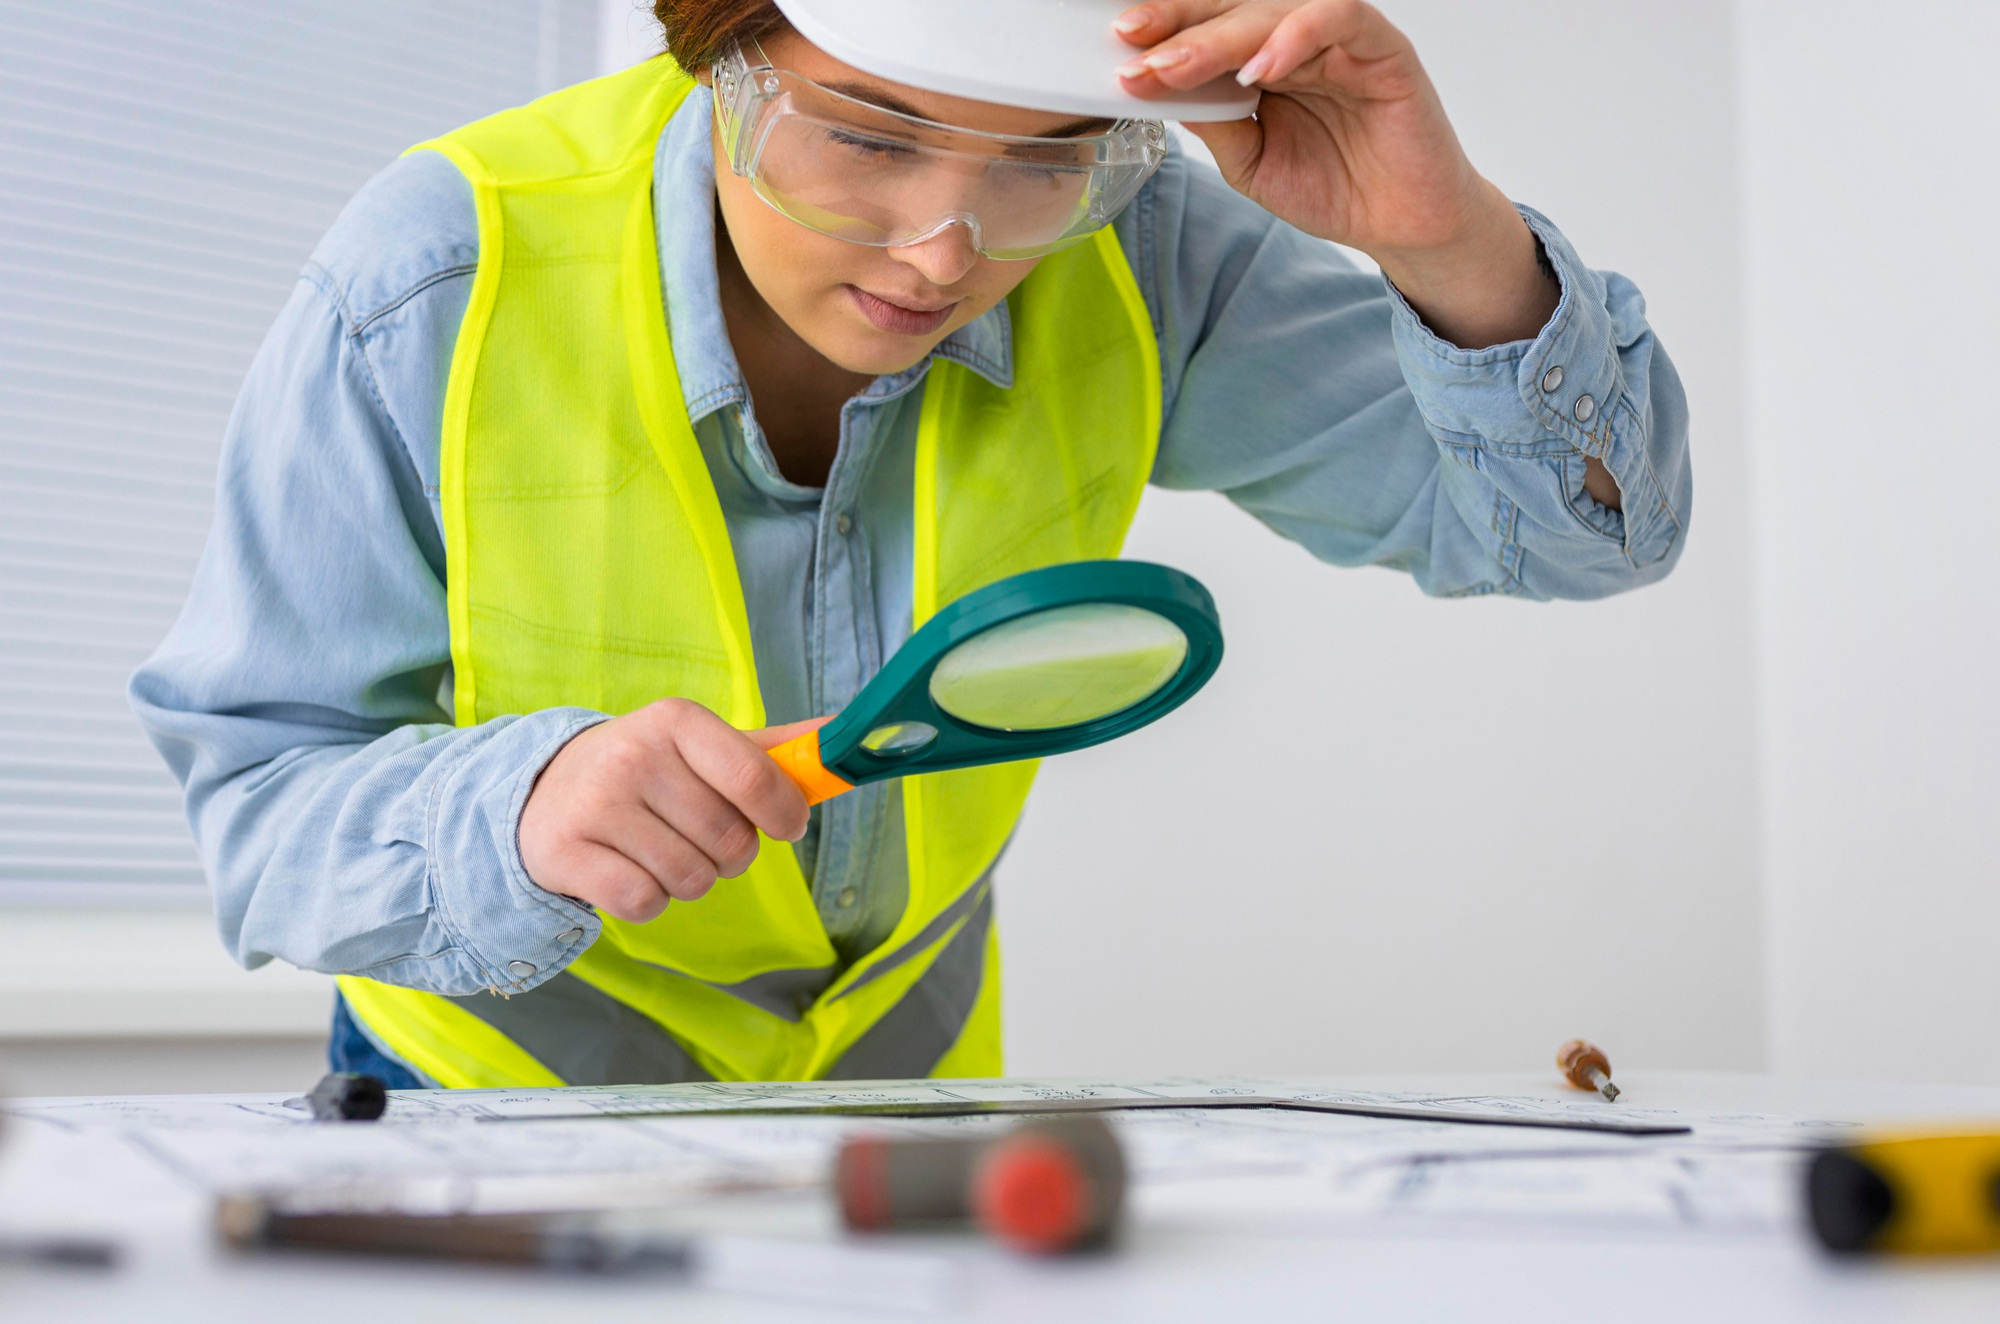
[
  {"x": 1521, "y": 396},
  {"x": 516, "y": 934}
]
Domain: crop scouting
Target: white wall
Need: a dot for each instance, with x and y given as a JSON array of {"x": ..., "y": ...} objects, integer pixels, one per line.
[
  {"x": 1870, "y": 141},
  {"x": 1405, "y": 834},
  {"x": 144, "y": 252},
  {"x": 626, "y": 34}
]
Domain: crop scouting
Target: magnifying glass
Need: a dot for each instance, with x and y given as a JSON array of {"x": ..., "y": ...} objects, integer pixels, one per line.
[{"x": 1039, "y": 663}]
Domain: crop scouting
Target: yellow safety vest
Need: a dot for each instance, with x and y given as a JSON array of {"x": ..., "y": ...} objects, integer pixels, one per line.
[{"x": 588, "y": 564}]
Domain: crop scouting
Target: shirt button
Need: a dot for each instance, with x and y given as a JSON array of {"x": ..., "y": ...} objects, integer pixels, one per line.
[
  {"x": 847, "y": 897},
  {"x": 843, "y": 524},
  {"x": 1552, "y": 380},
  {"x": 1586, "y": 409},
  {"x": 521, "y": 969},
  {"x": 569, "y": 935}
]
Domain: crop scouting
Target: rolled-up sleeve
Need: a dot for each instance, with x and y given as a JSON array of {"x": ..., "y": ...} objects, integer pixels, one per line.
[
  {"x": 302, "y": 698},
  {"x": 1311, "y": 394}
]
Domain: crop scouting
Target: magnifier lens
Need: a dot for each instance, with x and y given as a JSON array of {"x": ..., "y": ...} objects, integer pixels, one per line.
[
  {"x": 1060, "y": 667},
  {"x": 899, "y": 738}
]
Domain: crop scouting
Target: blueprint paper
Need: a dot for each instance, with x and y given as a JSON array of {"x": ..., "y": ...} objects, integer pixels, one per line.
[
  {"x": 416, "y": 1107},
  {"x": 667, "y": 1147}
]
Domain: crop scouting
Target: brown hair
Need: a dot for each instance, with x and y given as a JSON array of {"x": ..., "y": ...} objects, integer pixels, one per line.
[{"x": 699, "y": 31}]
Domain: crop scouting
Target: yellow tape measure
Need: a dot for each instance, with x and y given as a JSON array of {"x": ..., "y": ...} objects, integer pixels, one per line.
[{"x": 1936, "y": 1194}]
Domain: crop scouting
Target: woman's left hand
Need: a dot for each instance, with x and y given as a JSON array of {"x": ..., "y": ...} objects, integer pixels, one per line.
[{"x": 1351, "y": 143}]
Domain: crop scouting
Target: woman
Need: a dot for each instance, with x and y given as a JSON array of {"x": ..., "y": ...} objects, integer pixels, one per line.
[{"x": 606, "y": 443}]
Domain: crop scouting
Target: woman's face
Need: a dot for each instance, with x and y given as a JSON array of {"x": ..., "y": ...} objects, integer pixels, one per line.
[{"x": 871, "y": 310}]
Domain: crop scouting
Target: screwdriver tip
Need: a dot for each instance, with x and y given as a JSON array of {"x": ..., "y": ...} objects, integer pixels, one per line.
[{"x": 1609, "y": 1091}]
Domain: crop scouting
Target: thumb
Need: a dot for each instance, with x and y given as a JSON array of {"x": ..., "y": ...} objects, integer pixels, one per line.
[
  {"x": 770, "y": 737},
  {"x": 1237, "y": 145}
]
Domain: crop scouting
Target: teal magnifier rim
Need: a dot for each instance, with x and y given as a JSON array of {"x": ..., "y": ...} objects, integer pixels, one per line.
[{"x": 899, "y": 697}]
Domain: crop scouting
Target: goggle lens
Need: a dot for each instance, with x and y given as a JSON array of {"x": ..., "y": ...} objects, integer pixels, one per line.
[
  {"x": 871, "y": 176},
  {"x": 873, "y": 189}
]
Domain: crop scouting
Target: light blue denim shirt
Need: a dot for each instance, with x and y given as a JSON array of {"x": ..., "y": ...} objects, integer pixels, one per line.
[{"x": 303, "y": 696}]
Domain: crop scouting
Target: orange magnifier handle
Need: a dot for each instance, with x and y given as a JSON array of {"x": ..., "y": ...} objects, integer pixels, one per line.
[{"x": 799, "y": 757}]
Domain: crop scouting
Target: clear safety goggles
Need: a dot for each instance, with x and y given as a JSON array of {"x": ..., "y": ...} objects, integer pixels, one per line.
[{"x": 872, "y": 176}]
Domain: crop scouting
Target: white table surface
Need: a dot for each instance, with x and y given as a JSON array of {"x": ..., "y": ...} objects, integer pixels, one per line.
[{"x": 1166, "y": 1268}]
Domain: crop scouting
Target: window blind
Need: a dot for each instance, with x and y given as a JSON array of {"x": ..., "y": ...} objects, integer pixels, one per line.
[{"x": 166, "y": 167}]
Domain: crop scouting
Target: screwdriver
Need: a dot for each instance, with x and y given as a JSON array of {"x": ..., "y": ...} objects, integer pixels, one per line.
[
  {"x": 1046, "y": 1186},
  {"x": 1585, "y": 1066}
]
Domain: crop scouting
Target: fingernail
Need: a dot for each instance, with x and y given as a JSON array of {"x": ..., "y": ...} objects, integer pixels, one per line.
[
  {"x": 1259, "y": 65},
  {"x": 1129, "y": 22},
  {"x": 1166, "y": 59},
  {"x": 1131, "y": 68}
]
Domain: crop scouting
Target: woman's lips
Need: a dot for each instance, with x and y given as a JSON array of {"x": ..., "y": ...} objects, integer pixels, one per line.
[{"x": 895, "y": 318}]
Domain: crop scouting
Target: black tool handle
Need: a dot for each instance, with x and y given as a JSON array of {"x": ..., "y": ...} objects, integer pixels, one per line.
[{"x": 348, "y": 1096}]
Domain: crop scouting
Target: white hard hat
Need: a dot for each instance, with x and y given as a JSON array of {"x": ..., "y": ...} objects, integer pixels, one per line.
[{"x": 1056, "y": 55}]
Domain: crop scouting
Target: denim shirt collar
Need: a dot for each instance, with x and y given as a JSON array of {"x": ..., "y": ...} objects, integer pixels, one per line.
[{"x": 684, "y": 217}]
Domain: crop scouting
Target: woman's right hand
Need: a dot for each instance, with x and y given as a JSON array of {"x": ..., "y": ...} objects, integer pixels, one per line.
[{"x": 656, "y": 805}]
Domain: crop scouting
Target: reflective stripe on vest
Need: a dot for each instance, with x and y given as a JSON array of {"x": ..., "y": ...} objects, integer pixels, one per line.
[{"x": 588, "y": 564}]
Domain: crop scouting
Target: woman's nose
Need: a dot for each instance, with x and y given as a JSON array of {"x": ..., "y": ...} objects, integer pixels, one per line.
[{"x": 944, "y": 259}]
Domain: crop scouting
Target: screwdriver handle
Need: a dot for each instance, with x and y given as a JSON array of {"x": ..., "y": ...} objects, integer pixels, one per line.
[
  {"x": 1050, "y": 1185},
  {"x": 799, "y": 759},
  {"x": 1585, "y": 1066}
]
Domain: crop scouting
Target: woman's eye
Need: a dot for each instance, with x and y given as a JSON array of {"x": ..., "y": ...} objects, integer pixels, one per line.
[
  {"x": 877, "y": 149},
  {"x": 1028, "y": 172}
]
